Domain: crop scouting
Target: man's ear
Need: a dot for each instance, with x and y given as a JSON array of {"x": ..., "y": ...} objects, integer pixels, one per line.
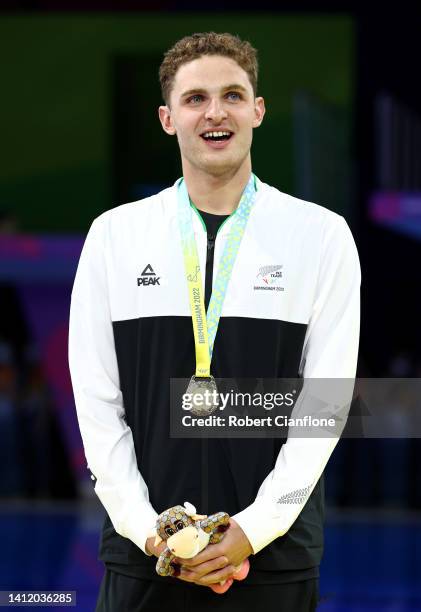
[
  {"x": 165, "y": 118},
  {"x": 259, "y": 111}
]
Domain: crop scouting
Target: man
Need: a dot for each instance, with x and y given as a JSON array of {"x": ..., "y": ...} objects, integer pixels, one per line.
[{"x": 131, "y": 331}]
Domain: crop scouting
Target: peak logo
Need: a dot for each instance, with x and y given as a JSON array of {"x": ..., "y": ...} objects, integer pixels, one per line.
[{"x": 148, "y": 277}]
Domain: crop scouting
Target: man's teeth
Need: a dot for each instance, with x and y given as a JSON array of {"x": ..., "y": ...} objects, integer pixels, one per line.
[{"x": 216, "y": 134}]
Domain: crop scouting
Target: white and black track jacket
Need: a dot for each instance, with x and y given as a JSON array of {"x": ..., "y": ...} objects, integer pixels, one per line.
[{"x": 128, "y": 336}]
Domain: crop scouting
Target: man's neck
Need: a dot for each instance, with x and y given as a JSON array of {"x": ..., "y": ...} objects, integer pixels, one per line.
[{"x": 219, "y": 195}]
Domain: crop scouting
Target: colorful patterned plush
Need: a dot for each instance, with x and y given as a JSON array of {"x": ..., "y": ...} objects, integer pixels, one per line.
[{"x": 186, "y": 534}]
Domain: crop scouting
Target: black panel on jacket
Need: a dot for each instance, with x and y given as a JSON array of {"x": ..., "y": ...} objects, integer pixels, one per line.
[{"x": 229, "y": 477}]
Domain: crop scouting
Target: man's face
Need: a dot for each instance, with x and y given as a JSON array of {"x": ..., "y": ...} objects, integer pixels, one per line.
[{"x": 210, "y": 95}]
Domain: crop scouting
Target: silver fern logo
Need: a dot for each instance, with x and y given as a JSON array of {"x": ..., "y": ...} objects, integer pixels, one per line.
[
  {"x": 299, "y": 496},
  {"x": 269, "y": 278}
]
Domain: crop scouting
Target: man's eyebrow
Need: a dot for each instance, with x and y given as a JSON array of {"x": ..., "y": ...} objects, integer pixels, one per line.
[
  {"x": 189, "y": 92},
  {"x": 201, "y": 90},
  {"x": 235, "y": 86}
]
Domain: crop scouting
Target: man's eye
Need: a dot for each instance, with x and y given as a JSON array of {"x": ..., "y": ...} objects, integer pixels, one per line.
[
  {"x": 195, "y": 99},
  {"x": 233, "y": 95}
]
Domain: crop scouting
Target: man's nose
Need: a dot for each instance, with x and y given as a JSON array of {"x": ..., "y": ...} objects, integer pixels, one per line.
[{"x": 215, "y": 111}]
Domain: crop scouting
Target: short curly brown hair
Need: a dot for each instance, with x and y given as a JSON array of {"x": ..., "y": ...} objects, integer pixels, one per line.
[{"x": 194, "y": 46}]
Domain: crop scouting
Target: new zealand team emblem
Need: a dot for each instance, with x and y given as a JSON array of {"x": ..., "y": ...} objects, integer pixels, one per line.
[{"x": 269, "y": 277}]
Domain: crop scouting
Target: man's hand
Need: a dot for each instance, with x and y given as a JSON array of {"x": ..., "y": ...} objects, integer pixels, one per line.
[
  {"x": 152, "y": 549},
  {"x": 218, "y": 561},
  {"x": 212, "y": 566}
]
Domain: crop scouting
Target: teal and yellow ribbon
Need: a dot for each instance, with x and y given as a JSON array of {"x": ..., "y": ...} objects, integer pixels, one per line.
[{"x": 205, "y": 325}]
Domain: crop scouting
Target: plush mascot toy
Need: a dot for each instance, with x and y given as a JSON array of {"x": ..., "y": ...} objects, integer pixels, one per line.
[{"x": 186, "y": 534}]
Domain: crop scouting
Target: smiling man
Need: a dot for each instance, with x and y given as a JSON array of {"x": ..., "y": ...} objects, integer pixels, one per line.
[
  {"x": 275, "y": 286},
  {"x": 212, "y": 108}
]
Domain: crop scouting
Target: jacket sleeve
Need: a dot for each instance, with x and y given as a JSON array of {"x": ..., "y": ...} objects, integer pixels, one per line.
[
  {"x": 107, "y": 439},
  {"x": 330, "y": 351}
]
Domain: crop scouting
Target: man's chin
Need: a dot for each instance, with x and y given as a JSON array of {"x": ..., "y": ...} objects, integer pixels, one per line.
[{"x": 219, "y": 167}]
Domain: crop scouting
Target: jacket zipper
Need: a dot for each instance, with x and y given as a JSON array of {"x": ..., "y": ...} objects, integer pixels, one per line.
[{"x": 210, "y": 252}]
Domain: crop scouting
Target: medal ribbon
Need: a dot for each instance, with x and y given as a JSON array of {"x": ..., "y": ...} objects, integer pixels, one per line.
[{"x": 205, "y": 326}]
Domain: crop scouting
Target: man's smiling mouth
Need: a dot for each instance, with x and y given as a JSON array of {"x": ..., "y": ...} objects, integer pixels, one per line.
[{"x": 216, "y": 135}]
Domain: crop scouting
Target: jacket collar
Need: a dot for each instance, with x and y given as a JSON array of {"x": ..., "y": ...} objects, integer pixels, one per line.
[{"x": 198, "y": 224}]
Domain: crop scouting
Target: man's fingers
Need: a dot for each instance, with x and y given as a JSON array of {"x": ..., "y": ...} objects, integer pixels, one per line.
[
  {"x": 187, "y": 575},
  {"x": 218, "y": 576},
  {"x": 208, "y": 566},
  {"x": 210, "y": 552}
]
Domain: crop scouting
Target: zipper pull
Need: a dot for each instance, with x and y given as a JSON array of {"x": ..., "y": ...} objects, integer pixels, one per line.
[{"x": 211, "y": 242}]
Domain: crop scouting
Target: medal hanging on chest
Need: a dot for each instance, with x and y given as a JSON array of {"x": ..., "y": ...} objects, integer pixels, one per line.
[{"x": 202, "y": 386}]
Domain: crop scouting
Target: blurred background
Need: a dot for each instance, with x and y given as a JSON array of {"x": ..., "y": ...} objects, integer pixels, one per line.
[{"x": 80, "y": 134}]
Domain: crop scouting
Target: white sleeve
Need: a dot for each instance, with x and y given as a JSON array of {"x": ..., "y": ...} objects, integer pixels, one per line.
[
  {"x": 330, "y": 351},
  {"x": 107, "y": 439}
]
